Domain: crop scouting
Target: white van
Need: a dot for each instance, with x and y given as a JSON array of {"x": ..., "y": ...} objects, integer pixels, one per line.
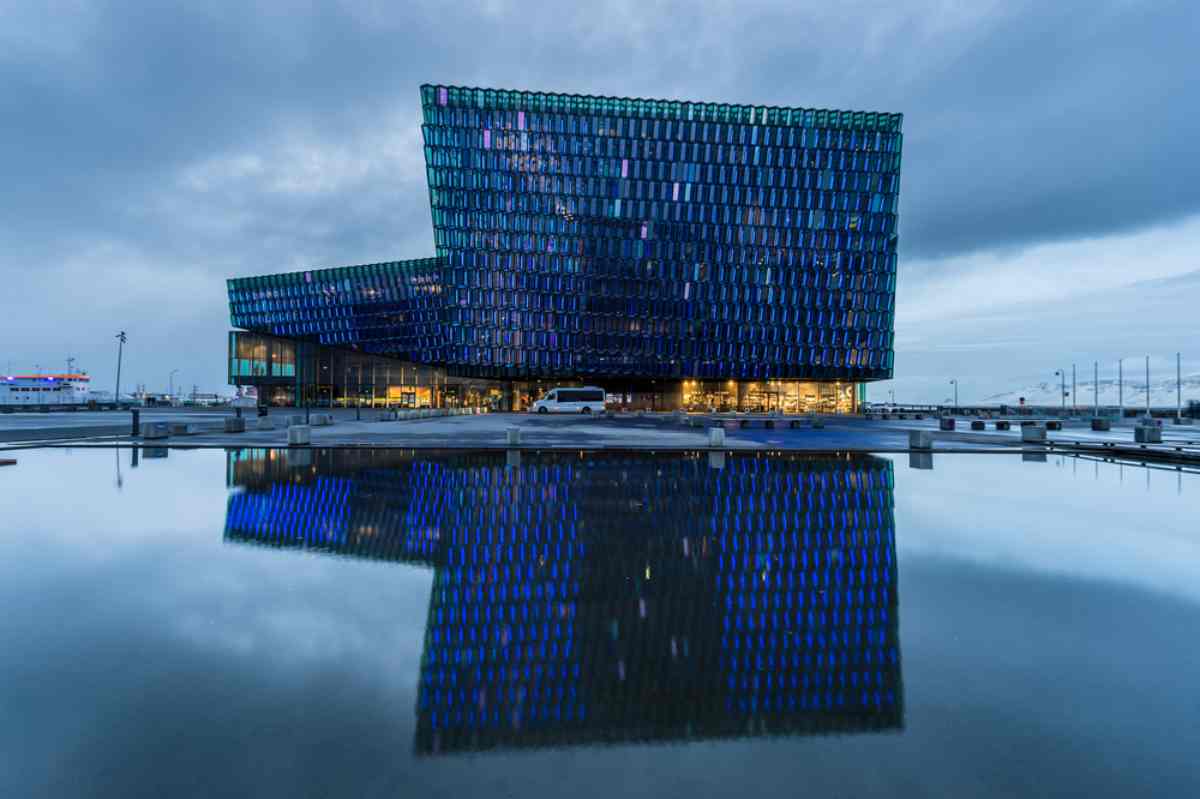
[{"x": 588, "y": 399}]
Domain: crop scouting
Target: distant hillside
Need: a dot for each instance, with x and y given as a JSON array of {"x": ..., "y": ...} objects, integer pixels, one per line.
[{"x": 1162, "y": 393}]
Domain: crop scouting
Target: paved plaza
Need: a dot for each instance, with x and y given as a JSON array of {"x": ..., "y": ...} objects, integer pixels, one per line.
[{"x": 621, "y": 431}]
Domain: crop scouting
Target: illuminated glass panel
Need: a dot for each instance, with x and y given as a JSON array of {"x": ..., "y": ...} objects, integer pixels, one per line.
[
  {"x": 608, "y": 237},
  {"x": 391, "y": 308}
]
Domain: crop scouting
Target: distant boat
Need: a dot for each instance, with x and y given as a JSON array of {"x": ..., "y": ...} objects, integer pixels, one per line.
[{"x": 44, "y": 389}]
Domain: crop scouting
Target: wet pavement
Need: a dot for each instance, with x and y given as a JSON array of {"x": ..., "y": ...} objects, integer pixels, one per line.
[{"x": 625, "y": 431}]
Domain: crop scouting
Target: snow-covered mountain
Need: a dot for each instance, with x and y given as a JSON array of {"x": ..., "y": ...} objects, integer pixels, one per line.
[{"x": 1162, "y": 393}]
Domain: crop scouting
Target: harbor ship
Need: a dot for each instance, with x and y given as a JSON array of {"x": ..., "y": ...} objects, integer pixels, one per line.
[{"x": 45, "y": 389}]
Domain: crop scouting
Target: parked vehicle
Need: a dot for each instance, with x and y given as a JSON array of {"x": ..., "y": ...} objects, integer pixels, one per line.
[{"x": 588, "y": 399}]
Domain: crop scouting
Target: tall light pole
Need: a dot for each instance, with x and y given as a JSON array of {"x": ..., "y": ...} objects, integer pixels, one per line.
[
  {"x": 1121, "y": 388},
  {"x": 171, "y": 384},
  {"x": 954, "y": 382},
  {"x": 1147, "y": 386},
  {"x": 1074, "y": 400},
  {"x": 1178, "y": 388},
  {"x": 1095, "y": 388},
  {"x": 1062, "y": 373},
  {"x": 120, "y": 352}
]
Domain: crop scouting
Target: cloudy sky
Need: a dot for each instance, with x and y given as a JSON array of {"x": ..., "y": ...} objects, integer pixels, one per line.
[{"x": 1050, "y": 200}]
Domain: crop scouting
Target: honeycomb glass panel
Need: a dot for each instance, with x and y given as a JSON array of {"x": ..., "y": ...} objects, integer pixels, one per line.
[{"x": 698, "y": 238}]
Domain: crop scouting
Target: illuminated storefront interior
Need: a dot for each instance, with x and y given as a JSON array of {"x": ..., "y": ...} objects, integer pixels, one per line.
[
  {"x": 299, "y": 373},
  {"x": 765, "y": 396}
]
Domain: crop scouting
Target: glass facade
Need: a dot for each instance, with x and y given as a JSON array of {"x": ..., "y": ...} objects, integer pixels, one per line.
[
  {"x": 600, "y": 237},
  {"x": 574, "y": 600},
  {"x": 392, "y": 308},
  {"x": 629, "y": 244},
  {"x": 288, "y": 372}
]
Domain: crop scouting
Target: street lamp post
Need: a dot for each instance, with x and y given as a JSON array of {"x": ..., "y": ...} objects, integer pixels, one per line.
[
  {"x": 171, "y": 386},
  {"x": 120, "y": 351},
  {"x": 1148, "y": 387},
  {"x": 954, "y": 382},
  {"x": 1178, "y": 388},
  {"x": 1062, "y": 373},
  {"x": 1074, "y": 400},
  {"x": 1121, "y": 388}
]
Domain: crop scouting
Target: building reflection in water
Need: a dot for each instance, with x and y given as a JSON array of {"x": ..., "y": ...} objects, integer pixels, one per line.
[{"x": 597, "y": 597}]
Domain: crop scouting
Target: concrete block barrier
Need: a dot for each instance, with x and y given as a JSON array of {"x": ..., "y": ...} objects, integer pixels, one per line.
[
  {"x": 946, "y": 423},
  {"x": 920, "y": 439},
  {"x": 265, "y": 423},
  {"x": 1033, "y": 434},
  {"x": 716, "y": 436},
  {"x": 235, "y": 424},
  {"x": 1147, "y": 434},
  {"x": 1003, "y": 424},
  {"x": 1101, "y": 424},
  {"x": 295, "y": 418},
  {"x": 184, "y": 428},
  {"x": 512, "y": 436},
  {"x": 1053, "y": 424},
  {"x": 299, "y": 435},
  {"x": 298, "y": 457},
  {"x": 978, "y": 424},
  {"x": 155, "y": 430},
  {"x": 921, "y": 459},
  {"x": 320, "y": 419}
]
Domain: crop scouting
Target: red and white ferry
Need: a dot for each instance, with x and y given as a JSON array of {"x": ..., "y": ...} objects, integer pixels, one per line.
[{"x": 44, "y": 389}]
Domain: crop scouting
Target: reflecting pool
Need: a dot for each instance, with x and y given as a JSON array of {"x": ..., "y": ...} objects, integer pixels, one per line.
[{"x": 386, "y": 622}]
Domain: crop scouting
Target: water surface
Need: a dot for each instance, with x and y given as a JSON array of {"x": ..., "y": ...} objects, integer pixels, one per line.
[{"x": 381, "y": 623}]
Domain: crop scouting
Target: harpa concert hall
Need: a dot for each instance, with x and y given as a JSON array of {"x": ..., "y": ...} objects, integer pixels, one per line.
[{"x": 677, "y": 254}]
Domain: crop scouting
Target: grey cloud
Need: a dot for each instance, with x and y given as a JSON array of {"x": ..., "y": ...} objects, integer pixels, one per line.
[{"x": 1023, "y": 123}]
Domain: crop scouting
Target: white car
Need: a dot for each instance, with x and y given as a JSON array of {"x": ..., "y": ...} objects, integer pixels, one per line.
[{"x": 588, "y": 399}]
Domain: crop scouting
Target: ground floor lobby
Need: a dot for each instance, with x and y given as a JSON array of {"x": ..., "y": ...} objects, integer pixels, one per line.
[
  {"x": 285, "y": 373},
  {"x": 442, "y": 391}
]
